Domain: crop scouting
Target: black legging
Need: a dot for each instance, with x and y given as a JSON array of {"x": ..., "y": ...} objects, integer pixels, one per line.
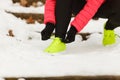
[
  {"x": 110, "y": 10},
  {"x": 64, "y": 10}
]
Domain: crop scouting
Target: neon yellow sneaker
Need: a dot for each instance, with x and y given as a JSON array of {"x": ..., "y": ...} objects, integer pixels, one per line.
[
  {"x": 109, "y": 37},
  {"x": 56, "y": 46}
]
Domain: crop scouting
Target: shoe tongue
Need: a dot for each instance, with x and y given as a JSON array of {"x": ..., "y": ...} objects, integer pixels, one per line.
[{"x": 57, "y": 40}]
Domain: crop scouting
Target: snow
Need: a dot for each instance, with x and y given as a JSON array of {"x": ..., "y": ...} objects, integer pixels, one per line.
[
  {"x": 21, "y": 56},
  {"x": 9, "y": 6}
]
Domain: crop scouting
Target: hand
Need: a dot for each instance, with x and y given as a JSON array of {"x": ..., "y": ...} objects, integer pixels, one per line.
[
  {"x": 70, "y": 35},
  {"x": 47, "y": 31}
]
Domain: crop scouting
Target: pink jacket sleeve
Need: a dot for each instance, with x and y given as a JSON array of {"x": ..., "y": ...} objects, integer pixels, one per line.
[
  {"x": 86, "y": 13},
  {"x": 49, "y": 14}
]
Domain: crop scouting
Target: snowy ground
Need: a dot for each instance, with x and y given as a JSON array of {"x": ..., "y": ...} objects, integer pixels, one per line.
[{"x": 24, "y": 57}]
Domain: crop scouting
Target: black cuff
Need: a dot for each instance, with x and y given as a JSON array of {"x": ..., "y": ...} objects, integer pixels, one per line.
[{"x": 73, "y": 30}]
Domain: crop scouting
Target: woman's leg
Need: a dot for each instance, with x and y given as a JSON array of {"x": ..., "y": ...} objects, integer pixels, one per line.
[
  {"x": 113, "y": 22},
  {"x": 77, "y": 6},
  {"x": 63, "y": 16}
]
